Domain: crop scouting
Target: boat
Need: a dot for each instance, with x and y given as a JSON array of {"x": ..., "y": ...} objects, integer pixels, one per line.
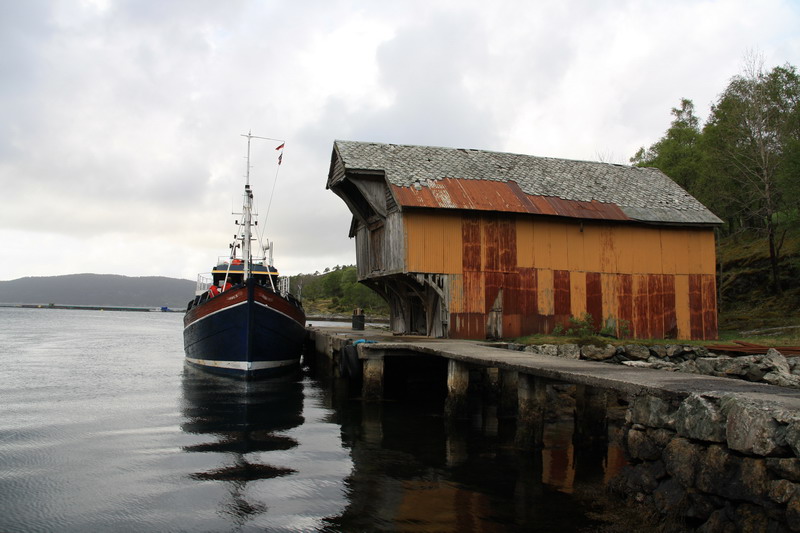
[{"x": 243, "y": 322}]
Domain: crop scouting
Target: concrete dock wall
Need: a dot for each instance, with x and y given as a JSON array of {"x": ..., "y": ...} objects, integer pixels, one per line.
[{"x": 716, "y": 453}]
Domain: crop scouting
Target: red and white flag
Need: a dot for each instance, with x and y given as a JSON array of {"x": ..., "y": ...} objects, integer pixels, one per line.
[{"x": 280, "y": 147}]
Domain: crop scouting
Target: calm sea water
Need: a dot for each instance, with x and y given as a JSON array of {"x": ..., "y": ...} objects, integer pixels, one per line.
[{"x": 102, "y": 428}]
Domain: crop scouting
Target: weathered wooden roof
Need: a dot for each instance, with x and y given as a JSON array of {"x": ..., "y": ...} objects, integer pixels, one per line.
[{"x": 428, "y": 176}]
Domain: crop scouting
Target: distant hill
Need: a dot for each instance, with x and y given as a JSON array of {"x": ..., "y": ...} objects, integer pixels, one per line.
[{"x": 99, "y": 289}]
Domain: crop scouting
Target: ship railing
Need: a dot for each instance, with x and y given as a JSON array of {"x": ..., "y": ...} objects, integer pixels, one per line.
[
  {"x": 283, "y": 286},
  {"x": 204, "y": 282}
]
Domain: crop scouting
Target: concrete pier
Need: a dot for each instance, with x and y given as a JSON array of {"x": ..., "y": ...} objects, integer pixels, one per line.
[
  {"x": 372, "y": 388},
  {"x": 623, "y": 379},
  {"x": 711, "y": 450}
]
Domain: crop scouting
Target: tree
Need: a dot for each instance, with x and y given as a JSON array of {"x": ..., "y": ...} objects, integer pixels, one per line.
[
  {"x": 677, "y": 153},
  {"x": 751, "y": 141}
]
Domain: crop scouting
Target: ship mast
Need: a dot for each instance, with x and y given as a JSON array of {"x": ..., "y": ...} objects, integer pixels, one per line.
[{"x": 247, "y": 212}]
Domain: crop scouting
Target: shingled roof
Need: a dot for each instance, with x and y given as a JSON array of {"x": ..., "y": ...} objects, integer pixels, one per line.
[{"x": 427, "y": 176}]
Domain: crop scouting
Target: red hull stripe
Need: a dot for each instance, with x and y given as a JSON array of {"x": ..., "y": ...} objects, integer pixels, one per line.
[{"x": 238, "y": 296}]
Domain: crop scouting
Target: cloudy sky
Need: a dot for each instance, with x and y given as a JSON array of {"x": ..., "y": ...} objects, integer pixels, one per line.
[{"x": 121, "y": 121}]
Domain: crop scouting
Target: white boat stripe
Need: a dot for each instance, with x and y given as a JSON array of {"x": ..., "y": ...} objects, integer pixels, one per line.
[
  {"x": 242, "y": 365},
  {"x": 215, "y": 312},
  {"x": 280, "y": 312}
]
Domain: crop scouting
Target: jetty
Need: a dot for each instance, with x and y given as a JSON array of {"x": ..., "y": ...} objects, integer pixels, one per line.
[{"x": 688, "y": 437}]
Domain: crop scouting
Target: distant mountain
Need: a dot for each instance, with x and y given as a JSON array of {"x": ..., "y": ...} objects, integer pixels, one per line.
[{"x": 99, "y": 289}]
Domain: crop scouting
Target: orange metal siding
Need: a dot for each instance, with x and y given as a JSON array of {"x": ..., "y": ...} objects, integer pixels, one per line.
[
  {"x": 654, "y": 282},
  {"x": 433, "y": 243},
  {"x": 577, "y": 293},
  {"x": 546, "y": 293}
]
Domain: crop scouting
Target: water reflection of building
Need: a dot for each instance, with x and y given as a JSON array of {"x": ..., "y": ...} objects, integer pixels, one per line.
[
  {"x": 241, "y": 420},
  {"x": 415, "y": 472}
]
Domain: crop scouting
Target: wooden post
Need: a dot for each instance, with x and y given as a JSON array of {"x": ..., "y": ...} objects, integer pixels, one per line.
[
  {"x": 590, "y": 433},
  {"x": 530, "y": 420},
  {"x": 372, "y": 423},
  {"x": 591, "y": 418},
  {"x": 457, "y": 384},
  {"x": 372, "y": 384},
  {"x": 509, "y": 394}
]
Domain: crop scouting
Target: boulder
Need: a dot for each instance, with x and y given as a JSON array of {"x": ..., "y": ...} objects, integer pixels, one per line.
[
  {"x": 659, "y": 350},
  {"x": 598, "y": 353},
  {"x": 543, "y": 349},
  {"x": 640, "y": 446},
  {"x": 785, "y": 467},
  {"x": 669, "y": 497},
  {"x": 751, "y": 428},
  {"x": 651, "y": 411},
  {"x": 637, "y": 352},
  {"x": 699, "y": 418},
  {"x": 782, "y": 490},
  {"x": 682, "y": 460},
  {"x": 793, "y": 513},
  {"x": 569, "y": 351}
]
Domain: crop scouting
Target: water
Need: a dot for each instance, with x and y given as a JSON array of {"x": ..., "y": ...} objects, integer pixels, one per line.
[{"x": 102, "y": 428}]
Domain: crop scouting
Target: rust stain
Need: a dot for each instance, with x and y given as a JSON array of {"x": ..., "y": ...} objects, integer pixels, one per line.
[
  {"x": 641, "y": 323},
  {"x": 471, "y": 239},
  {"x": 491, "y": 244},
  {"x": 709, "y": 306},
  {"x": 625, "y": 299},
  {"x": 494, "y": 282},
  {"x": 594, "y": 298},
  {"x": 507, "y": 233},
  {"x": 483, "y": 195},
  {"x": 670, "y": 316},
  {"x": 561, "y": 303},
  {"x": 511, "y": 294},
  {"x": 696, "y": 306},
  {"x": 655, "y": 298},
  {"x": 528, "y": 302}
]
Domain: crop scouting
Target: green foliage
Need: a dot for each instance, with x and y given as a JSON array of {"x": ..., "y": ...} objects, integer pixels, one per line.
[
  {"x": 677, "y": 153},
  {"x": 337, "y": 290},
  {"x": 584, "y": 329},
  {"x": 745, "y": 161}
]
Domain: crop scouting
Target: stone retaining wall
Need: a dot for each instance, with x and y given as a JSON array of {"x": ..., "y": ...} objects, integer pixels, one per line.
[
  {"x": 715, "y": 461},
  {"x": 772, "y": 368}
]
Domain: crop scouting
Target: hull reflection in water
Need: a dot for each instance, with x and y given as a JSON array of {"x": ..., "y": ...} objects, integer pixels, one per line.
[{"x": 242, "y": 420}]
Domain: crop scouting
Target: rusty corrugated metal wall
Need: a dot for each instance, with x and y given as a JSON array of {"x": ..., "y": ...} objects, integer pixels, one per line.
[{"x": 655, "y": 281}]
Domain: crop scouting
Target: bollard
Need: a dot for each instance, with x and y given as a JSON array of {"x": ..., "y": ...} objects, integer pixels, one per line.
[{"x": 359, "y": 319}]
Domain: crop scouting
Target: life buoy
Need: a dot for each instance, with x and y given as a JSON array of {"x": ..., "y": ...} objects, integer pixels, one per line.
[
  {"x": 237, "y": 262},
  {"x": 226, "y": 287},
  {"x": 213, "y": 291}
]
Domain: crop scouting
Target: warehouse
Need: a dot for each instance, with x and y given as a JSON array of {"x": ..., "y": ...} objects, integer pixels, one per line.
[{"x": 478, "y": 244}]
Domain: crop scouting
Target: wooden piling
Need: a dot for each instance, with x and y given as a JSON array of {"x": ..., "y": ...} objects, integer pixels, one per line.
[
  {"x": 591, "y": 417},
  {"x": 457, "y": 384},
  {"x": 530, "y": 419},
  {"x": 509, "y": 393},
  {"x": 372, "y": 383}
]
